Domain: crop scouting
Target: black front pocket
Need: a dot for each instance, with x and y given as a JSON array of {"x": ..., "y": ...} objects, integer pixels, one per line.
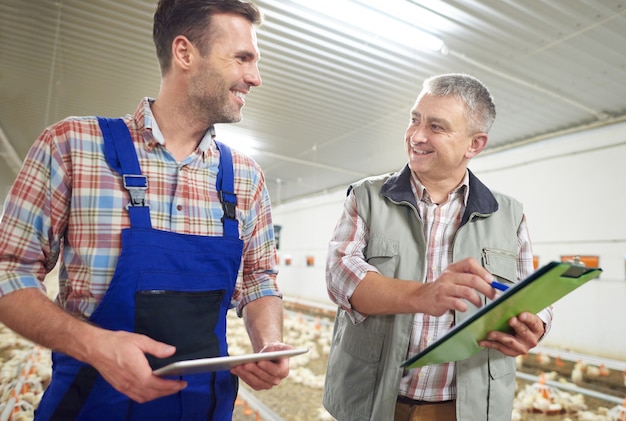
[{"x": 186, "y": 320}]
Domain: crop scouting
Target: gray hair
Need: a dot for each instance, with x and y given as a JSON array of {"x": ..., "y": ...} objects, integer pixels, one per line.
[{"x": 479, "y": 105}]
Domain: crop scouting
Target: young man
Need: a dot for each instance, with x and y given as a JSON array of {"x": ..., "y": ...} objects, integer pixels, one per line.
[
  {"x": 158, "y": 230},
  {"x": 414, "y": 253}
]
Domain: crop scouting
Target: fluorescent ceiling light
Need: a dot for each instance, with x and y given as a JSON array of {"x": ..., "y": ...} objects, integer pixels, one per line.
[
  {"x": 238, "y": 139},
  {"x": 398, "y": 21}
]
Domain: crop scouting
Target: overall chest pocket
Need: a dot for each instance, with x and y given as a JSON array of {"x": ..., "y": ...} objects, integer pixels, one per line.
[{"x": 187, "y": 320}]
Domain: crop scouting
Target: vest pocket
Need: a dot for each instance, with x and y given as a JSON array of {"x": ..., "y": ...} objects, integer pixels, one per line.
[
  {"x": 383, "y": 253},
  {"x": 501, "y": 263},
  {"x": 355, "y": 358},
  {"x": 500, "y": 365}
]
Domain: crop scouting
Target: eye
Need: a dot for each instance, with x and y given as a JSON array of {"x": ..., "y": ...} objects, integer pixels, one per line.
[{"x": 245, "y": 57}]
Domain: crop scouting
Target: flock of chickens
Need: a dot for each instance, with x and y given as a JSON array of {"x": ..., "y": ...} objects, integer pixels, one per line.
[
  {"x": 25, "y": 372},
  {"x": 541, "y": 401}
]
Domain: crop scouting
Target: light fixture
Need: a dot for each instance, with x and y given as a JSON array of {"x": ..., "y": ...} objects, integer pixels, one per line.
[{"x": 238, "y": 139}]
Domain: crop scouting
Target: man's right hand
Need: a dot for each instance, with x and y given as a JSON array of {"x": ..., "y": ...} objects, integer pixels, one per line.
[
  {"x": 120, "y": 358},
  {"x": 459, "y": 282}
]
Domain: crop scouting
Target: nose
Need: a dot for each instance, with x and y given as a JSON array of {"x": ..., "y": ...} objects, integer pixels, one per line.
[
  {"x": 415, "y": 135},
  {"x": 253, "y": 76}
]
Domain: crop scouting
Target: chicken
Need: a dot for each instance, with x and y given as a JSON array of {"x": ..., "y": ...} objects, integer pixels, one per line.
[
  {"x": 603, "y": 371},
  {"x": 553, "y": 375},
  {"x": 592, "y": 371},
  {"x": 578, "y": 373},
  {"x": 543, "y": 359}
]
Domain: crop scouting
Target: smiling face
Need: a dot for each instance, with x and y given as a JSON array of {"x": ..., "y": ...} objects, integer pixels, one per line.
[
  {"x": 220, "y": 80},
  {"x": 438, "y": 141}
]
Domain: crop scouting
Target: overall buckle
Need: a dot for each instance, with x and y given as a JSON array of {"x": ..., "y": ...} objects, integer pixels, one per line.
[
  {"x": 136, "y": 186},
  {"x": 229, "y": 204}
]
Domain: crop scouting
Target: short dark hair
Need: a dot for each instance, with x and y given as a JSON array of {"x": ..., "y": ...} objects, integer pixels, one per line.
[
  {"x": 192, "y": 18},
  {"x": 479, "y": 104}
]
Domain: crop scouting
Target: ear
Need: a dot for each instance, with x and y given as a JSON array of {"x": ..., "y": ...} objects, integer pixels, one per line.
[
  {"x": 182, "y": 51},
  {"x": 477, "y": 144}
]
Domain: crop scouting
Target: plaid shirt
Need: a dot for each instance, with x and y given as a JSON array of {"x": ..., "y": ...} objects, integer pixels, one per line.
[
  {"x": 66, "y": 202},
  {"x": 441, "y": 221}
]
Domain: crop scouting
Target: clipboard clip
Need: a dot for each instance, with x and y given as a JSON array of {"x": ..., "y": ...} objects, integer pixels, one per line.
[
  {"x": 576, "y": 261},
  {"x": 577, "y": 268}
]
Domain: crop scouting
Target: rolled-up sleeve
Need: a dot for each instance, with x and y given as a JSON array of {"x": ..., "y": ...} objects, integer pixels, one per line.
[
  {"x": 346, "y": 265},
  {"x": 34, "y": 215},
  {"x": 258, "y": 272}
]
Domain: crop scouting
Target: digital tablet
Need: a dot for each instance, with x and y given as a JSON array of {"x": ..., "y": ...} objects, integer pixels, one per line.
[{"x": 203, "y": 365}]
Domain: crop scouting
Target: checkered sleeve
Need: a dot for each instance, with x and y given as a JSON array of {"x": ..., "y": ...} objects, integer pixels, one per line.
[{"x": 35, "y": 214}]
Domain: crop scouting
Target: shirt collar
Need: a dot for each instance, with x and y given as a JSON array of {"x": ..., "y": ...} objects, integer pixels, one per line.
[
  {"x": 422, "y": 194},
  {"x": 152, "y": 134}
]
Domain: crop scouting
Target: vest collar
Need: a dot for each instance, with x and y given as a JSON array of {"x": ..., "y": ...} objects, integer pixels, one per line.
[{"x": 480, "y": 199}]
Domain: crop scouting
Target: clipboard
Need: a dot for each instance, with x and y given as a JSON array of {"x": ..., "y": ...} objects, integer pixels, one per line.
[
  {"x": 203, "y": 365},
  {"x": 541, "y": 289}
]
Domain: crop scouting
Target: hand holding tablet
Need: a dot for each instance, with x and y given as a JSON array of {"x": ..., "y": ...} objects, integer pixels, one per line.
[{"x": 203, "y": 365}]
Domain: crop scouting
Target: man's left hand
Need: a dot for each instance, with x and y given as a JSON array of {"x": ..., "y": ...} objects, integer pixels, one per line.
[
  {"x": 263, "y": 375},
  {"x": 527, "y": 330}
]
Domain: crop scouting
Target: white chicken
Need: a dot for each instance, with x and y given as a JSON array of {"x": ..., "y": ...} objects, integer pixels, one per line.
[
  {"x": 592, "y": 371},
  {"x": 604, "y": 372},
  {"x": 578, "y": 373},
  {"x": 543, "y": 359}
]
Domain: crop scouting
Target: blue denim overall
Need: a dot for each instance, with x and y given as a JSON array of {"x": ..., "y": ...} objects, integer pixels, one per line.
[{"x": 175, "y": 288}]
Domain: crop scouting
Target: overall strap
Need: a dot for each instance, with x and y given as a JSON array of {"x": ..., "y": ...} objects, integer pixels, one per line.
[
  {"x": 225, "y": 185},
  {"x": 119, "y": 151}
]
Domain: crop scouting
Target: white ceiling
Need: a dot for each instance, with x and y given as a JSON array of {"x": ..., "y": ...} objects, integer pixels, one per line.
[{"x": 336, "y": 93}]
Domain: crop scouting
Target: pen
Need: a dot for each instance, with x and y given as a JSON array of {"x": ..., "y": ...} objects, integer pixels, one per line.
[{"x": 497, "y": 285}]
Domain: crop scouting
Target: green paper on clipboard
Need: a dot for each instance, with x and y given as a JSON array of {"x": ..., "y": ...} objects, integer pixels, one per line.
[{"x": 541, "y": 289}]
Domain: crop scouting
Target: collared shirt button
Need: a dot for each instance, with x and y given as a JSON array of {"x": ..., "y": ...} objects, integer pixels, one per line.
[{"x": 179, "y": 207}]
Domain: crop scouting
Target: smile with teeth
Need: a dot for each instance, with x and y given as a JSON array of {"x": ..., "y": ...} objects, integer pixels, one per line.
[
  {"x": 240, "y": 95},
  {"x": 416, "y": 150},
  {"x": 419, "y": 151}
]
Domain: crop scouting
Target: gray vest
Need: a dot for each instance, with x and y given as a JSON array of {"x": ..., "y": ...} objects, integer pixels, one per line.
[{"x": 363, "y": 375}]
